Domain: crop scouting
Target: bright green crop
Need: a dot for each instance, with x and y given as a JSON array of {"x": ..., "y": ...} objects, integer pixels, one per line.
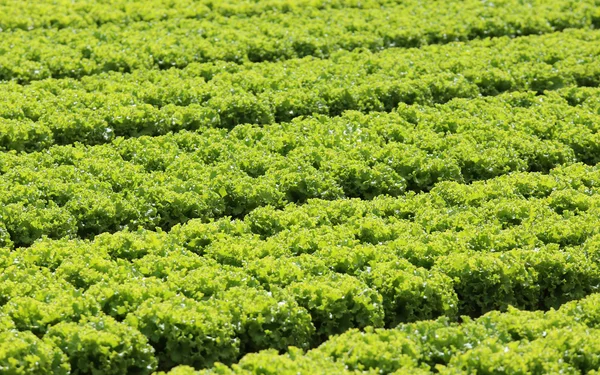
[
  {"x": 80, "y": 38},
  {"x": 97, "y": 109},
  {"x": 299, "y": 187},
  {"x": 81, "y": 191}
]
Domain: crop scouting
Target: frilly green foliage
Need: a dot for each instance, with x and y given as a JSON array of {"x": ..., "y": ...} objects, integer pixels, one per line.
[
  {"x": 515, "y": 342},
  {"x": 103, "y": 345},
  {"x": 23, "y": 353},
  {"x": 124, "y": 37},
  {"x": 289, "y": 187},
  {"x": 185, "y": 331},
  {"x": 148, "y": 182},
  {"x": 147, "y": 102}
]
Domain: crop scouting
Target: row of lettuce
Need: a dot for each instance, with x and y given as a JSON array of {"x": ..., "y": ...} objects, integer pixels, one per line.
[
  {"x": 99, "y": 108},
  {"x": 27, "y": 56},
  {"x": 81, "y": 191},
  {"x": 136, "y": 301},
  {"x": 60, "y": 14},
  {"x": 78, "y": 14},
  {"x": 563, "y": 341}
]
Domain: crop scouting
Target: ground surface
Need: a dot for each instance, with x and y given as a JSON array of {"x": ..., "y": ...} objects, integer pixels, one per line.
[{"x": 299, "y": 187}]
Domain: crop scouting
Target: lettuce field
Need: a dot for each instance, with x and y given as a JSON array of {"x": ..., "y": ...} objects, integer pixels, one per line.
[{"x": 344, "y": 187}]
